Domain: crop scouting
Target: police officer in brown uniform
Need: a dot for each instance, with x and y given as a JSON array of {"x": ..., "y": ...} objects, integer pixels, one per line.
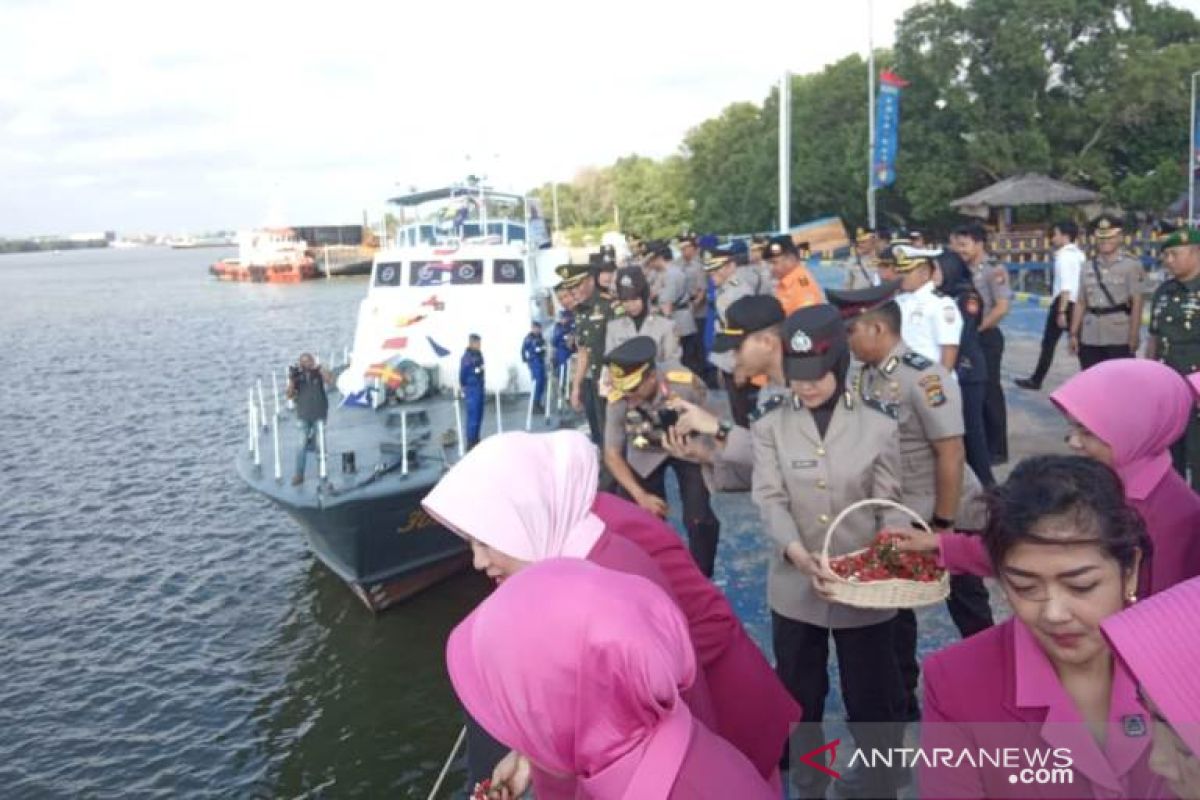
[
  {"x": 724, "y": 447},
  {"x": 822, "y": 450},
  {"x": 658, "y": 255},
  {"x": 861, "y": 268},
  {"x": 637, "y": 417},
  {"x": 934, "y": 481},
  {"x": 721, "y": 267},
  {"x": 638, "y": 319},
  {"x": 991, "y": 281},
  {"x": 1108, "y": 314}
]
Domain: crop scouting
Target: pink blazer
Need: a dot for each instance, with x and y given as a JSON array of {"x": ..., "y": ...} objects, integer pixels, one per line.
[
  {"x": 753, "y": 710},
  {"x": 1002, "y": 676},
  {"x": 1172, "y": 514}
]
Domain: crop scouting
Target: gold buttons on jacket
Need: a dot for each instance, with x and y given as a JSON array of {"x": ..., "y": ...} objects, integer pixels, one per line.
[
  {"x": 823, "y": 519},
  {"x": 820, "y": 483},
  {"x": 820, "y": 451}
]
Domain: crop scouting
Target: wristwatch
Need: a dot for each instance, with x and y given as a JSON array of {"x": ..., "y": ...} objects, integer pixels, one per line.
[{"x": 723, "y": 429}]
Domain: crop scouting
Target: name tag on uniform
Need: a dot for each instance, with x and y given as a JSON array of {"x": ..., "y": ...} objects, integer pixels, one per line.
[{"x": 804, "y": 464}]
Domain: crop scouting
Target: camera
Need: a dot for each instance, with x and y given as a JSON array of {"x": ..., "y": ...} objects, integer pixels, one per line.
[{"x": 667, "y": 417}]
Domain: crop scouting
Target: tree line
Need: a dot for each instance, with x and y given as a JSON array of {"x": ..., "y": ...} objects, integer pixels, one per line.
[{"x": 1094, "y": 92}]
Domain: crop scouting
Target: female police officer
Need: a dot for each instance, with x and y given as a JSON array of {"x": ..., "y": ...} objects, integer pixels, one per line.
[{"x": 814, "y": 455}]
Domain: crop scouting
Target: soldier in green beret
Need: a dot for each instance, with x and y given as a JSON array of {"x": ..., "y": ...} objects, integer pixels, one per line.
[{"x": 1175, "y": 332}]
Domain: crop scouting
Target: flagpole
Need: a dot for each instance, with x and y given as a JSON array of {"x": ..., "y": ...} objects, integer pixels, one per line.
[
  {"x": 785, "y": 152},
  {"x": 871, "y": 113}
]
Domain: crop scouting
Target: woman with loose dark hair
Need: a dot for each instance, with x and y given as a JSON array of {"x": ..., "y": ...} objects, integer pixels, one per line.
[{"x": 1066, "y": 548}]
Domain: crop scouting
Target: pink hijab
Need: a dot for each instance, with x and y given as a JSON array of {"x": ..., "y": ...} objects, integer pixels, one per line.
[
  {"x": 1140, "y": 434},
  {"x": 1159, "y": 640},
  {"x": 587, "y": 684},
  {"x": 528, "y": 495}
]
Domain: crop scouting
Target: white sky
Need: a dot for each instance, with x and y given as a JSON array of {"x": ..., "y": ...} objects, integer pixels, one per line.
[{"x": 173, "y": 116}]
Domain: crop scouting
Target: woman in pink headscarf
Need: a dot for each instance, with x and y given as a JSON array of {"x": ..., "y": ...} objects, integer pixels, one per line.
[
  {"x": 1134, "y": 439},
  {"x": 520, "y": 498},
  {"x": 588, "y": 686},
  {"x": 1159, "y": 641}
]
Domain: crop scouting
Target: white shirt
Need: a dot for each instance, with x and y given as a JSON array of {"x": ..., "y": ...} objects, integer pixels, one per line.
[
  {"x": 930, "y": 321},
  {"x": 1068, "y": 267}
]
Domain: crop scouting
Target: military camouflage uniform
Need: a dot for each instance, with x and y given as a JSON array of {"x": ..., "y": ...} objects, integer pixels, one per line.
[{"x": 1175, "y": 326}]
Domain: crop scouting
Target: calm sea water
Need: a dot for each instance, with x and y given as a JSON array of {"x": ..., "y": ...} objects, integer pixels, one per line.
[{"x": 164, "y": 630}]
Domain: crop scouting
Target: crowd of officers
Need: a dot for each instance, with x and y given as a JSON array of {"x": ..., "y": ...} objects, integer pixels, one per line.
[{"x": 887, "y": 388}]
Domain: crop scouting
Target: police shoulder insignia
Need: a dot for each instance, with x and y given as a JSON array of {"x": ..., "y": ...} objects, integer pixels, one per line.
[
  {"x": 680, "y": 376},
  {"x": 935, "y": 395},
  {"x": 766, "y": 407},
  {"x": 916, "y": 360},
  {"x": 950, "y": 313}
]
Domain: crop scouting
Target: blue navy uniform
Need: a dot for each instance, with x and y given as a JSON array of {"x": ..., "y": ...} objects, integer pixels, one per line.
[
  {"x": 533, "y": 353},
  {"x": 564, "y": 343},
  {"x": 470, "y": 379}
]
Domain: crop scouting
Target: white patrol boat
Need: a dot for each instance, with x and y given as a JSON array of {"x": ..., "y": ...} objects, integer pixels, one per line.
[{"x": 464, "y": 260}]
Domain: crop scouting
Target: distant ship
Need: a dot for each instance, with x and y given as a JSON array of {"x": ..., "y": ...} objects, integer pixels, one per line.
[
  {"x": 465, "y": 265},
  {"x": 191, "y": 242},
  {"x": 267, "y": 255}
]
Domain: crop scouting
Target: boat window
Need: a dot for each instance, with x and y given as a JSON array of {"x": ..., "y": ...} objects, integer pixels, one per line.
[
  {"x": 388, "y": 273},
  {"x": 496, "y": 229},
  {"x": 470, "y": 230},
  {"x": 508, "y": 271},
  {"x": 428, "y": 234},
  {"x": 441, "y": 273},
  {"x": 516, "y": 233}
]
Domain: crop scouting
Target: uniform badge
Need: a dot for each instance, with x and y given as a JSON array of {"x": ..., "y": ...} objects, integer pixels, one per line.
[
  {"x": 948, "y": 314},
  {"x": 934, "y": 394},
  {"x": 890, "y": 365},
  {"x": 1134, "y": 725},
  {"x": 800, "y": 342}
]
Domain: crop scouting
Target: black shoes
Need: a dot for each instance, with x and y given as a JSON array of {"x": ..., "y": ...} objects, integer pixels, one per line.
[{"x": 1029, "y": 383}]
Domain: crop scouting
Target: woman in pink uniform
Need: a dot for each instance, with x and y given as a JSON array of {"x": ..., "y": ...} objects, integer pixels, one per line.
[
  {"x": 1159, "y": 642},
  {"x": 581, "y": 668},
  {"x": 1136, "y": 443},
  {"x": 519, "y": 498},
  {"x": 1066, "y": 548}
]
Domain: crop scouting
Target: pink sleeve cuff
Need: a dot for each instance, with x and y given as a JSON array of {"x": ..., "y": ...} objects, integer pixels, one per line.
[{"x": 963, "y": 554}]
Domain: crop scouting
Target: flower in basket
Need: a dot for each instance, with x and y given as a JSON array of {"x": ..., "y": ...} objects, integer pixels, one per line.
[{"x": 884, "y": 560}]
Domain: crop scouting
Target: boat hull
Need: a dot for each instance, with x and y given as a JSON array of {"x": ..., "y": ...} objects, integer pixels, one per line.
[
  {"x": 385, "y": 549},
  {"x": 233, "y": 270}
]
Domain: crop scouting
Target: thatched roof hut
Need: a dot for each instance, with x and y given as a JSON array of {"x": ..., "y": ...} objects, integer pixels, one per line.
[{"x": 1029, "y": 189}]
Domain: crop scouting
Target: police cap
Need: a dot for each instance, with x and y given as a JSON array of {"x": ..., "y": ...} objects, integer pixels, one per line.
[
  {"x": 687, "y": 238},
  {"x": 779, "y": 246},
  {"x": 657, "y": 248},
  {"x": 745, "y": 316},
  {"x": 814, "y": 341},
  {"x": 1106, "y": 226},
  {"x": 631, "y": 283},
  {"x": 628, "y": 364},
  {"x": 905, "y": 257},
  {"x": 860, "y": 301},
  {"x": 716, "y": 259}
]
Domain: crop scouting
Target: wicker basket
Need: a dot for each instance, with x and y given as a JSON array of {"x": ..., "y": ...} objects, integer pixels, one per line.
[{"x": 891, "y": 593}]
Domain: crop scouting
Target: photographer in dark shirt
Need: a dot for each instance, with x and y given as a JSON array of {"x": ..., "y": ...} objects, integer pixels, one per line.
[{"x": 306, "y": 388}]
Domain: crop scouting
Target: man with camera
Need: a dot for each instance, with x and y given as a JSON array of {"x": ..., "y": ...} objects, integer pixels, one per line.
[
  {"x": 306, "y": 388},
  {"x": 636, "y": 420}
]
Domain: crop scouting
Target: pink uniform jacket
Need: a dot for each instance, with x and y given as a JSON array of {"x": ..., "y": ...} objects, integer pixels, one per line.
[
  {"x": 753, "y": 710},
  {"x": 1002, "y": 676}
]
